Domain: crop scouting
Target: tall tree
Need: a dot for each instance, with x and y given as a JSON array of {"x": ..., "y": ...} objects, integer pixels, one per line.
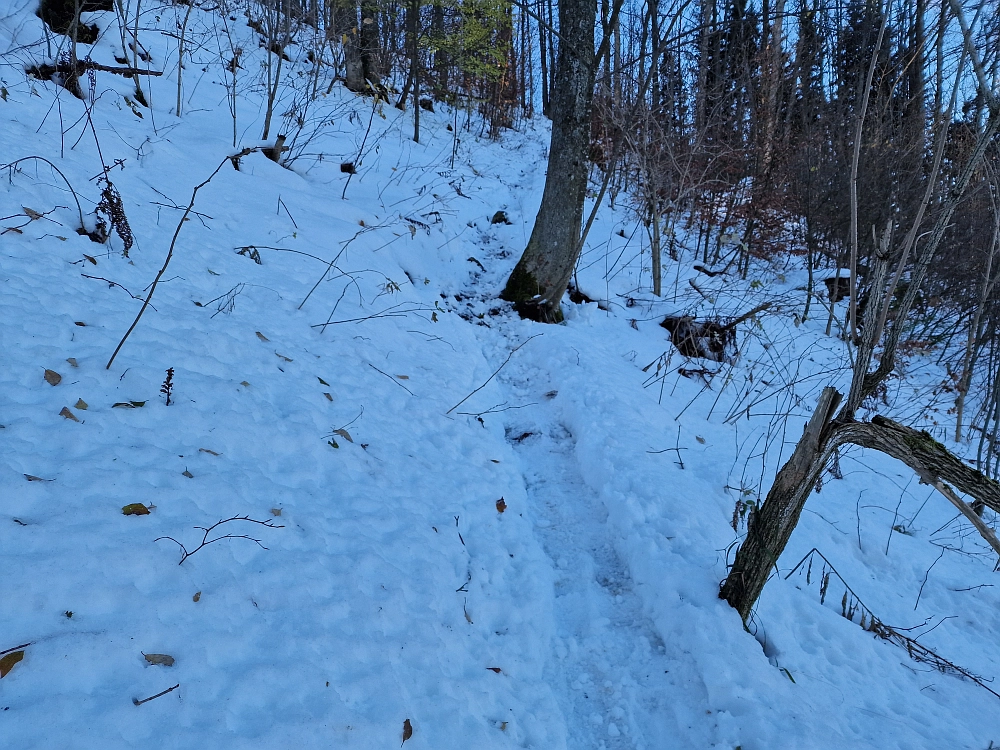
[{"x": 538, "y": 282}]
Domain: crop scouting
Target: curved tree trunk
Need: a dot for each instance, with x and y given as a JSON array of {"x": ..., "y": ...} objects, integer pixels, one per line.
[
  {"x": 540, "y": 278},
  {"x": 771, "y": 526}
]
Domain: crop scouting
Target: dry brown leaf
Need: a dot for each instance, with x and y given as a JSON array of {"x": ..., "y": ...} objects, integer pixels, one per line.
[
  {"x": 91, "y": 258},
  {"x": 135, "y": 509},
  {"x": 403, "y": 377},
  {"x": 209, "y": 451},
  {"x": 244, "y": 383},
  {"x": 33, "y": 478},
  {"x": 407, "y": 731},
  {"x": 188, "y": 474},
  {"x": 31, "y": 213},
  {"x": 344, "y": 434},
  {"x": 52, "y": 377},
  {"x": 700, "y": 439},
  {"x": 65, "y": 412},
  {"x": 501, "y": 505},
  {"x": 80, "y": 323},
  {"x": 322, "y": 381},
  {"x": 196, "y": 597},
  {"x": 72, "y": 362},
  {"x": 8, "y": 661},
  {"x": 282, "y": 356},
  {"x": 262, "y": 337},
  {"x": 495, "y": 669},
  {"x": 275, "y": 511},
  {"x": 328, "y": 397},
  {"x": 80, "y": 404},
  {"x": 165, "y": 660},
  {"x": 15, "y": 230}
]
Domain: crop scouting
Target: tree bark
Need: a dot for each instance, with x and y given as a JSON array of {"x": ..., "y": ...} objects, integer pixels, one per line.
[
  {"x": 345, "y": 25},
  {"x": 538, "y": 282}
]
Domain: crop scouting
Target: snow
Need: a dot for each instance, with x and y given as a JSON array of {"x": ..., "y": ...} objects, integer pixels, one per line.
[{"x": 386, "y": 585}]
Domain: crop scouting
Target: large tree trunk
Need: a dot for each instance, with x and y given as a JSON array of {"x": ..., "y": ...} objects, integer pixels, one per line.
[{"x": 540, "y": 278}]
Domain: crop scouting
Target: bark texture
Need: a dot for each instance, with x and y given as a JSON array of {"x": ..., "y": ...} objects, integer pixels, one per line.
[
  {"x": 345, "y": 27},
  {"x": 540, "y": 278}
]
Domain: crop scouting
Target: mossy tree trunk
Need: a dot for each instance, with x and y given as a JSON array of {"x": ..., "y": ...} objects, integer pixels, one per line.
[{"x": 538, "y": 282}]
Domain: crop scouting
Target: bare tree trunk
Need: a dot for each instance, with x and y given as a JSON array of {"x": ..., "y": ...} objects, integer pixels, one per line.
[
  {"x": 539, "y": 280},
  {"x": 852, "y": 325}
]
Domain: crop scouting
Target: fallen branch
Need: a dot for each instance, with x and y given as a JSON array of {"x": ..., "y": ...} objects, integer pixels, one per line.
[
  {"x": 495, "y": 372},
  {"x": 851, "y": 604},
  {"x": 205, "y": 541},
  {"x": 65, "y": 67}
]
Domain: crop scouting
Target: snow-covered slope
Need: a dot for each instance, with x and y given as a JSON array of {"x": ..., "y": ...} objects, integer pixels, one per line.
[{"x": 500, "y": 548}]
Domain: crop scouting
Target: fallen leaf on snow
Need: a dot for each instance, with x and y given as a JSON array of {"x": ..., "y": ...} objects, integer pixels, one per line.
[
  {"x": 495, "y": 669},
  {"x": 344, "y": 434},
  {"x": 164, "y": 659},
  {"x": 31, "y": 213},
  {"x": 188, "y": 474},
  {"x": 135, "y": 509},
  {"x": 403, "y": 377},
  {"x": 33, "y": 478},
  {"x": 244, "y": 383},
  {"x": 262, "y": 337},
  {"x": 72, "y": 362},
  {"x": 322, "y": 381},
  {"x": 501, "y": 505},
  {"x": 328, "y": 397},
  {"x": 210, "y": 451},
  {"x": 7, "y": 662},
  {"x": 52, "y": 377},
  {"x": 407, "y": 731},
  {"x": 65, "y": 412},
  {"x": 282, "y": 356},
  {"x": 196, "y": 597},
  {"x": 80, "y": 404},
  {"x": 275, "y": 511}
]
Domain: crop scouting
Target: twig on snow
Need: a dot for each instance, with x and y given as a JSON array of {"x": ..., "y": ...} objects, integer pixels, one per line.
[
  {"x": 137, "y": 702},
  {"x": 170, "y": 252},
  {"x": 205, "y": 541},
  {"x": 495, "y": 372}
]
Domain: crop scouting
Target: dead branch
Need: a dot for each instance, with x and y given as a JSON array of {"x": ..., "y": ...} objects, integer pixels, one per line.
[
  {"x": 205, "y": 541},
  {"x": 170, "y": 251}
]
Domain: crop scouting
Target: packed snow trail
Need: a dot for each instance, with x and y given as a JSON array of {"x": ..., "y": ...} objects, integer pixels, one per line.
[{"x": 610, "y": 668}]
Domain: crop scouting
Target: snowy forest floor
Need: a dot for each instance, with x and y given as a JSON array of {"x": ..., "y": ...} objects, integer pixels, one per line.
[{"x": 376, "y": 422}]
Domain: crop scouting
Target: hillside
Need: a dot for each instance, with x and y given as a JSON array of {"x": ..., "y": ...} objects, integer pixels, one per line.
[{"x": 503, "y": 534}]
